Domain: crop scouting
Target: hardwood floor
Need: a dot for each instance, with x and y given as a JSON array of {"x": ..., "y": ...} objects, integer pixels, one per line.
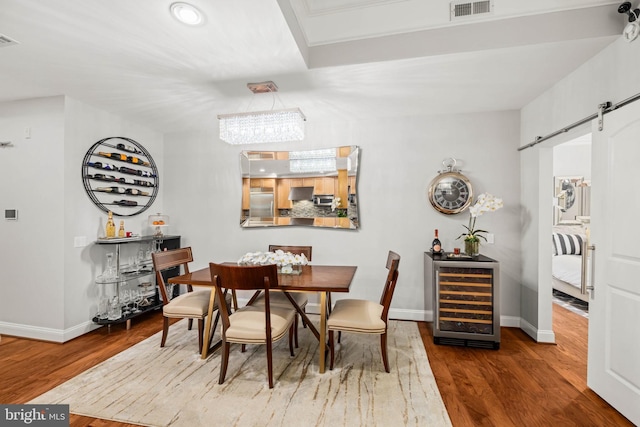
[{"x": 522, "y": 384}]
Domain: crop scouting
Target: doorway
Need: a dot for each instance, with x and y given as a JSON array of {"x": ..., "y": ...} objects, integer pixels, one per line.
[{"x": 571, "y": 223}]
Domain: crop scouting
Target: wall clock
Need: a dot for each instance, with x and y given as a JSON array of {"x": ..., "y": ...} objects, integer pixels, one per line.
[{"x": 450, "y": 192}]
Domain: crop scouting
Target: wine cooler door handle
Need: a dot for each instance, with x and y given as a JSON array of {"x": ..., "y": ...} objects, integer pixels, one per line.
[
  {"x": 586, "y": 251},
  {"x": 436, "y": 302}
]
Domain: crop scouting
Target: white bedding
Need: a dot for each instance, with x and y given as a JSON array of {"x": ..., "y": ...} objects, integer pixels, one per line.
[{"x": 567, "y": 268}]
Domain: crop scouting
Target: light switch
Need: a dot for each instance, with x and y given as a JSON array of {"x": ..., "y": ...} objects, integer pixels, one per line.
[{"x": 490, "y": 239}]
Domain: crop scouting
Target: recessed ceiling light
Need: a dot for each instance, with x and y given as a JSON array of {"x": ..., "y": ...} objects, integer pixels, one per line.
[{"x": 187, "y": 13}]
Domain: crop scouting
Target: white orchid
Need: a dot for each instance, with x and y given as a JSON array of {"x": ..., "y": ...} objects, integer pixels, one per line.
[
  {"x": 484, "y": 203},
  {"x": 336, "y": 203}
]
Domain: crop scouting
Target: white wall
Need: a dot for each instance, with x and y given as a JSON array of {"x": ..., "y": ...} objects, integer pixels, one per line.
[
  {"x": 609, "y": 76},
  {"x": 48, "y": 289},
  {"x": 32, "y": 181},
  {"x": 398, "y": 160}
]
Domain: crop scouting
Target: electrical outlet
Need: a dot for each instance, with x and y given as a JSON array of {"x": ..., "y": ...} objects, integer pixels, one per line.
[
  {"x": 490, "y": 238},
  {"x": 79, "y": 241}
]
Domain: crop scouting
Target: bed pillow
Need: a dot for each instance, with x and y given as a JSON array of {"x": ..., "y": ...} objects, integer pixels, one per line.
[{"x": 566, "y": 244}]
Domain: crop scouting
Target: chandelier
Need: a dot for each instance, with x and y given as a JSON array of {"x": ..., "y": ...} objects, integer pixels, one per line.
[{"x": 262, "y": 126}]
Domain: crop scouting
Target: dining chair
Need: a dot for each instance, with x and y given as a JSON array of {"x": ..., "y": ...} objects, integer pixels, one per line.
[
  {"x": 280, "y": 299},
  {"x": 251, "y": 324},
  {"x": 190, "y": 305},
  {"x": 366, "y": 317}
]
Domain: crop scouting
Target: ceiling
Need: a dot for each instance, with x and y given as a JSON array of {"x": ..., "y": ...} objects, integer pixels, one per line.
[{"x": 365, "y": 58}]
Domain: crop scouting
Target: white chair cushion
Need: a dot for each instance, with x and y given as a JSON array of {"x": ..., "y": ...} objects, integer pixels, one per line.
[
  {"x": 278, "y": 299},
  {"x": 191, "y": 304},
  {"x": 247, "y": 325},
  {"x": 351, "y": 315}
]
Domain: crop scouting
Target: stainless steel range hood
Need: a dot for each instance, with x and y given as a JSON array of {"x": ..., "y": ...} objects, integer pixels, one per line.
[{"x": 301, "y": 193}]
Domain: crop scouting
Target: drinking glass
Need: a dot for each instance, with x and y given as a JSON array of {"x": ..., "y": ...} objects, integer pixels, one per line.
[
  {"x": 137, "y": 298},
  {"x": 126, "y": 300},
  {"x": 115, "y": 310}
]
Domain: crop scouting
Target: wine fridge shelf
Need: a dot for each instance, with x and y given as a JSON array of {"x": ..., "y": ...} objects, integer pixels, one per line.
[{"x": 120, "y": 171}]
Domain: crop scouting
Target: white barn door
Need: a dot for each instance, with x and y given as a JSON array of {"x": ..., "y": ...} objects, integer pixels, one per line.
[{"x": 614, "y": 307}]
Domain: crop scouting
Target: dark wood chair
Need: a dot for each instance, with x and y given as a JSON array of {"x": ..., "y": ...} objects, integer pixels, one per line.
[
  {"x": 366, "y": 317},
  {"x": 190, "y": 305},
  {"x": 278, "y": 298},
  {"x": 251, "y": 324}
]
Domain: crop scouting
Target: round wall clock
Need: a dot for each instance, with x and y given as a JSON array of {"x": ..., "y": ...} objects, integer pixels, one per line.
[{"x": 450, "y": 192}]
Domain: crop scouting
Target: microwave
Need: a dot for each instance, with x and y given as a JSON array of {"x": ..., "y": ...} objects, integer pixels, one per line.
[{"x": 323, "y": 199}]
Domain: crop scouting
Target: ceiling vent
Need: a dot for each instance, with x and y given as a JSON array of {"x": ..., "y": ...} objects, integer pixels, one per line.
[
  {"x": 6, "y": 41},
  {"x": 465, "y": 9}
]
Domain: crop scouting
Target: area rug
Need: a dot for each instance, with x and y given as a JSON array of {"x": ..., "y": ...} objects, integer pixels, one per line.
[{"x": 172, "y": 386}]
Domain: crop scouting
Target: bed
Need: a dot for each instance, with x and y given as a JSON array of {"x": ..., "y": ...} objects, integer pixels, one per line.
[{"x": 566, "y": 263}]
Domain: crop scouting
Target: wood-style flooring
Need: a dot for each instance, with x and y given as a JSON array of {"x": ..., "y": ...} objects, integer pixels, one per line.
[{"x": 522, "y": 384}]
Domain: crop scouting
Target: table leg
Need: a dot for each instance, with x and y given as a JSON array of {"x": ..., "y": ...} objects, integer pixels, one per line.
[
  {"x": 207, "y": 324},
  {"x": 323, "y": 330}
]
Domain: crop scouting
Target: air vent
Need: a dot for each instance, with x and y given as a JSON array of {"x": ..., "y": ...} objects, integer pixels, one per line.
[
  {"x": 6, "y": 41},
  {"x": 465, "y": 9}
]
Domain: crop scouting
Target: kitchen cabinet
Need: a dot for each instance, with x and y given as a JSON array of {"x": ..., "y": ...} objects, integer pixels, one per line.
[{"x": 465, "y": 300}]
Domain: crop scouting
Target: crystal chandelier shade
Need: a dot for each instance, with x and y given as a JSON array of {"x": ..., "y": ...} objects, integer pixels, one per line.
[{"x": 262, "y": 126}]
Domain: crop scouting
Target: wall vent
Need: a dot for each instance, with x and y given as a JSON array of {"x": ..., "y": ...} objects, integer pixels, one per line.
[
  {"x": 6, "y": 41},
  {"x": 465, "y": 9}
]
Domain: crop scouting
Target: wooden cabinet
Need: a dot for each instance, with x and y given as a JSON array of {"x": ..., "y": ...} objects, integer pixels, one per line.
[
  {"x": 465, "y": 300},
  {"x": 282, "y": 192}
]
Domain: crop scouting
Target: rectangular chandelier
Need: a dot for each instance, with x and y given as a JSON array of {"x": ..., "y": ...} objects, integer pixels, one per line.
[{"x": 262, "y": 126}]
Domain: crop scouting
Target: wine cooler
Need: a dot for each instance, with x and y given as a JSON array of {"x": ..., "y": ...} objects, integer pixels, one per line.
[{"x": 465, "y": 300}]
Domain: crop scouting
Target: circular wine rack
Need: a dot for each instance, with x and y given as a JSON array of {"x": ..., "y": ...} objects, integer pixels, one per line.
[{"x": 119, "y": 175}]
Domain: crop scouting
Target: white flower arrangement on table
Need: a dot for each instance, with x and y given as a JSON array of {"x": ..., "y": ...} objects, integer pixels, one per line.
[{"x": 279, "y": 258}]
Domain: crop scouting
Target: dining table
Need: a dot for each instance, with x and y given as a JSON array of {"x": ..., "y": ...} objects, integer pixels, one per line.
[{"x": 320, "y": 279}]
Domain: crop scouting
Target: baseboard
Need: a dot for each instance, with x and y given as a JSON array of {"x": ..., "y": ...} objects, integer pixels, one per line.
[
  {"x": 541, "y": 336},
  {"x": 46, "y": 334}
]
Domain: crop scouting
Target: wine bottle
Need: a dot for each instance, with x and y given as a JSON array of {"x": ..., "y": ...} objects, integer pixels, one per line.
[
  {"x": 143, "y": 183},
  {"x": 126, "y": 203},
  {"x": 146, "y": 174},
  {"x": 125, "y": 169},
  {"x": 119, "y": 190},
  {"x": 137, "y": 161},
  {"x": 121, "y": 231},
  {"x": 104, "y": 177},
  {"x": 128, "y": 181},
  {"x": 128, "y": 148},
  {"x": 101, "y": 165},
  {"x": 111, "y": 226},
  {"x": 133, "y": 191},
  {"x": 436, "y": 246},
  {"x": 117, "y": 156}
]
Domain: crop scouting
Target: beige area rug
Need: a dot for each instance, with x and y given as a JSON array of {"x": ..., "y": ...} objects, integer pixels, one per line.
[{"x": 172, "y": 386}]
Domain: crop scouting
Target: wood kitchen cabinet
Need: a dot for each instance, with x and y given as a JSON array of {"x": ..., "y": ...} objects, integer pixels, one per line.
[{"x": 282, "y": 190}]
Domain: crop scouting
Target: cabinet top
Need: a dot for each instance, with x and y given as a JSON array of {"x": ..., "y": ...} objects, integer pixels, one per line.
[
  {"x": 443, "y": 257},
  {"x": 105, "y": 241}
]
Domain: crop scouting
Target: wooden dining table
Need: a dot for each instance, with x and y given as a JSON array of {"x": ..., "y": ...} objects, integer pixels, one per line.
[{"x": 321, "y": 279}]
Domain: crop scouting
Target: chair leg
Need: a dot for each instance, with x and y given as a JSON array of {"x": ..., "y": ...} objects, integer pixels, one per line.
[
  {"x": 244, "y": 348},
  {"x": 270, "y": 364},
  {"x": 224, "y": 362},
  {"x": 328, "y": 302},
  {"x": 165, "y": 330},
  {"x": 295, "y": 325},
  {"x": 190, "y": 326},
  {"x": 331, "y": 345},
  {"x": 339, "y": 335},
  {"x": 200, "y": 333},
  {"x": 383, "y": 345},
  {"x": 304, "y": 324},
  {"x": 293, "y": 331}
]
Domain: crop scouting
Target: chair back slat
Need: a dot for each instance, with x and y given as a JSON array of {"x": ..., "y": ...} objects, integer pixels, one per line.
[
  {"x": 168, "y": 259},
  {"x": 296, "y": 250},
  {"x": 393, "y": 261}
]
